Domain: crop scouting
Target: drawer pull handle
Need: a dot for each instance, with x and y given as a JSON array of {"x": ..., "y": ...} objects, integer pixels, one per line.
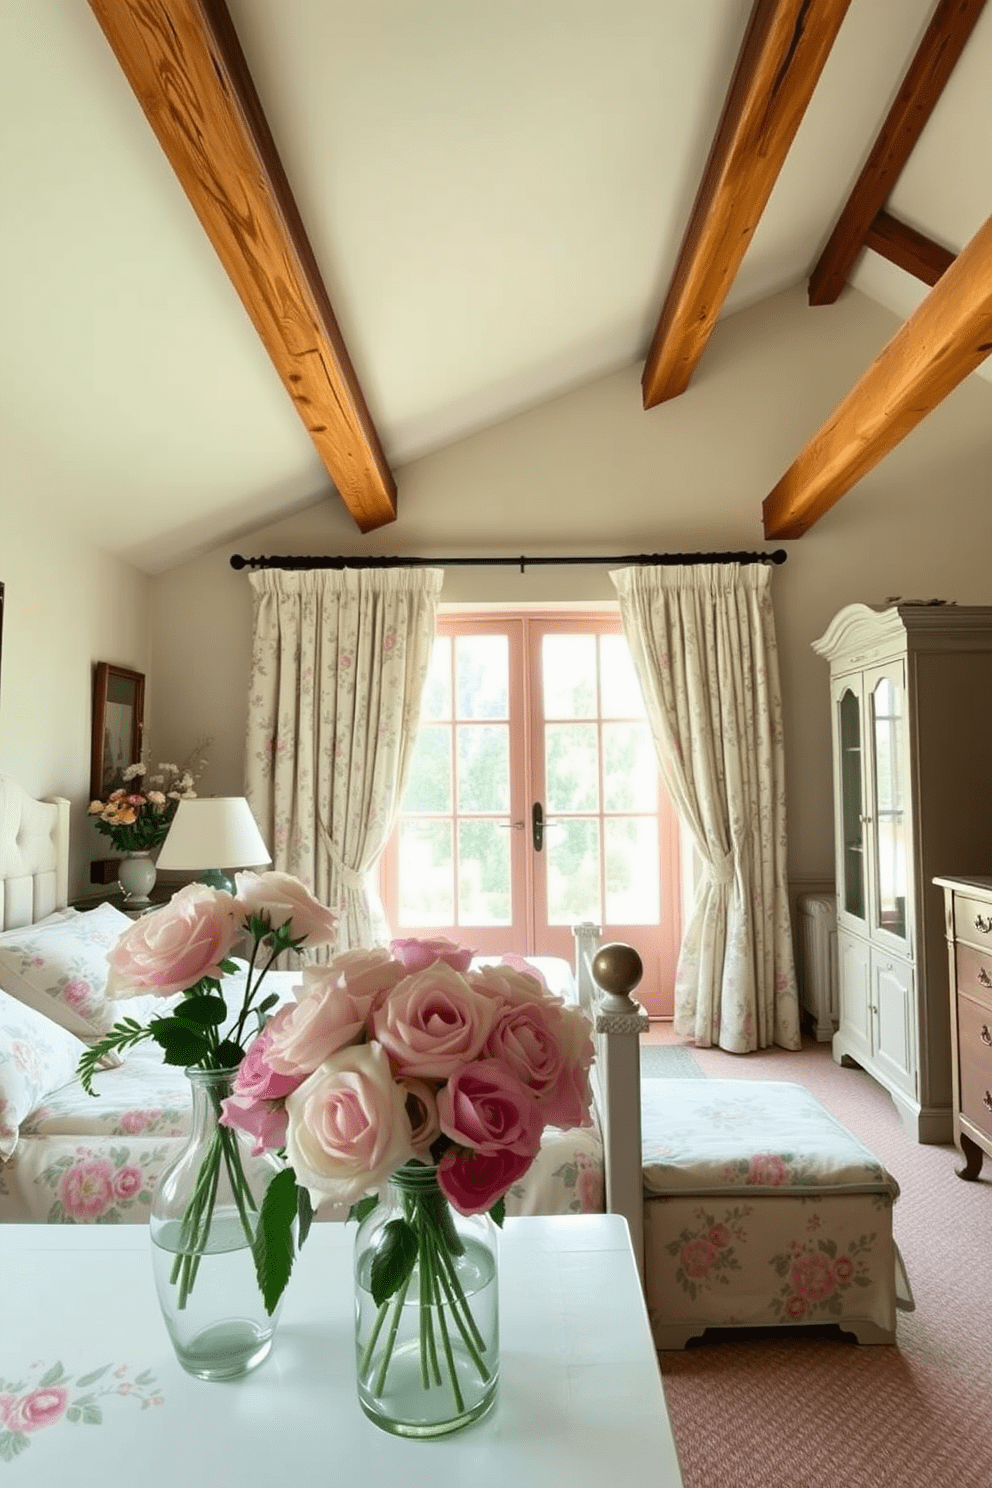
[
  {"x": 984, "y": 978},
  {"x": 987, "y": 1100},
  {"x": 983, "y": 923},
  {"x": 985, "y": 1035}
]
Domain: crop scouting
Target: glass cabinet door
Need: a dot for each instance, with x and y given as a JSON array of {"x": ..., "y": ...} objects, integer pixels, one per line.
[
  {"x": 888, "y": 815},
  {"x": 852, "y": 865}
]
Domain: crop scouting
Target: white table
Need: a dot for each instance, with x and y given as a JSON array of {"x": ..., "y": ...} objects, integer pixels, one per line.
[{"x": 580, "y": 1403}]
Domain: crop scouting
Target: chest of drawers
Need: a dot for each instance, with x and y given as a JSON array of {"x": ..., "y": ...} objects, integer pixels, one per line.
[{"x": 968, "y": 920}]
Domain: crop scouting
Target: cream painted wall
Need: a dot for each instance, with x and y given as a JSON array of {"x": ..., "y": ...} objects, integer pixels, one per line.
[
  {"x": 66, "y": 608},
  {"x": 592, "y": 472}
]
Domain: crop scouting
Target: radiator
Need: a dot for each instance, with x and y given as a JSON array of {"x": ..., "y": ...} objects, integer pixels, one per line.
[{"x": 817, "y": 968}]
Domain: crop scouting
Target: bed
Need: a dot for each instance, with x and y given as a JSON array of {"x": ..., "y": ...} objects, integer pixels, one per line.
[
  {"x": 747, "y": 1204},
  {"x": 66, "y": 1157}
]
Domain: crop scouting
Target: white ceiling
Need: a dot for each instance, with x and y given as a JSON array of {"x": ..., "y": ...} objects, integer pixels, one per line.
[{"x": 495, "y": 191}]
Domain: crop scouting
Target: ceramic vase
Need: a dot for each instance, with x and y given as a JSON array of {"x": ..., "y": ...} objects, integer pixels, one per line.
[{"x": 136, "y": 879}]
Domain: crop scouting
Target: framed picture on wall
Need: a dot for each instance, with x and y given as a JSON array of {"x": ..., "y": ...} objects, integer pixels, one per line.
[{"x": 118, "y": 726}]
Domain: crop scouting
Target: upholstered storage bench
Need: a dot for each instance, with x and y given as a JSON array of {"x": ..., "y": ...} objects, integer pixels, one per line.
[{"x": 760, "y": 1208}]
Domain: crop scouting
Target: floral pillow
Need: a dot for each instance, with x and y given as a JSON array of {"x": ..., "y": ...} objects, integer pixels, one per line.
[
  {"x": 36, "y": 1058},
  {"x": 60, "y": 970}
]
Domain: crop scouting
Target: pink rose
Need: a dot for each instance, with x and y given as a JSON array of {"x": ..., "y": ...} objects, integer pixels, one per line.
[
  {"x": 433, "y": 1022},
  {"x": 719, "y": 1236},
  {"x": 767, "y": 1170},
  {"x": 173, "y": 948},
  {"x": 334, "y": 1007},
  {"x": 417, "y": 955},
  {"x": 527, "y": 1039},
  {"x": 127, "y": 1182},
  {"x": 485, "y": 1107},
  {"x": 264, "y": 1120},
  {"x": 39, "y": 1408},
  {"x": 697, "y": 1258},
  {"x": 522, "y": 965},
  {"x": 257, "y": 1077},
  {"x": 473, "y": 1181},
  {"x": 286, "y": 900},
  {"x": 796, "y": 1307},
  {"x": 812, "y": 1277},
  {"x": 348, "y": 1127},
  {"x": 511, "y": 984},
  {"x": 7, "y": 1403},
  {"x": 133, "y": 1122},
  {"x": 421, "y": 1110},
  {"x": 371, "y": 972},
  {"x": 570, "y": 1102},
  {"x": 87, "y": 1188}
]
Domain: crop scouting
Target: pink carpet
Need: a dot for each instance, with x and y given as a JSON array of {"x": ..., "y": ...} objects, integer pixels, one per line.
[{"x": 809, "y": 1408}]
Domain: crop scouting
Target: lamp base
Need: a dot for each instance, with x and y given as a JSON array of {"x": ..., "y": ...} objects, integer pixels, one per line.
[{"x": 216, "y": 878}]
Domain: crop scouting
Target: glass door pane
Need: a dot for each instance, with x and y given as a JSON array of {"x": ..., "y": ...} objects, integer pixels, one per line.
[
  {"x": 852, "y": 810},
  {"x": 889, "y": 815}
]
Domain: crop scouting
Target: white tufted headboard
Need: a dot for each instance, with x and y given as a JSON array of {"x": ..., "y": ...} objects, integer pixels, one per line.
[{"x": 34, "y": 855}]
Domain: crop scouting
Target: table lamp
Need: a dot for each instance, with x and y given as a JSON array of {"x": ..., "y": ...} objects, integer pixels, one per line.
[{"x": 211, "y": 834}]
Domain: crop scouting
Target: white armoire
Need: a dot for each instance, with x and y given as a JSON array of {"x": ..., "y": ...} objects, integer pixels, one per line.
[{"x": 911, "y": 703}]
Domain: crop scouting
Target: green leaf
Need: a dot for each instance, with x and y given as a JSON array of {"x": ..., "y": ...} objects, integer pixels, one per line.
[
  {"x": 498, "y": 1212},
  {"x": 229, "y": 1054},
  {"x": 122, "y": 1036},
  {"x": 204, "y": 1011},
  {"x": 51, "y": 1376},
  {"x": 268, "y": 1002},
  {"x": 304, "y": 1215},
  {"x": 180, "y": 1044},
  {"x": 393, "y": 1261},
  {"x": 89, "y": 1379},
  {"x": 273, "y": 1246},
  {"x": 364, "y": 1206}
]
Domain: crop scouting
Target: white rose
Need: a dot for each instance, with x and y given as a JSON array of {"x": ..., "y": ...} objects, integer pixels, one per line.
[
  {"x": 348, "y": 1127},
  {"x": 284, "y": 898}
]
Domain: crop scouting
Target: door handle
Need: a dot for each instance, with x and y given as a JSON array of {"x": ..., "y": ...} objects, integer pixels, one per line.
[{"x": 537, "y": 825}]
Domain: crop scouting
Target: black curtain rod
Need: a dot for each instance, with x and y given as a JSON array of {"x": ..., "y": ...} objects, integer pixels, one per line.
[{"x": 623, "y": 560}]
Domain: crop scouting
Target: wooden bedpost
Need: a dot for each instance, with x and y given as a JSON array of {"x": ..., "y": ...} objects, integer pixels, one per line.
[{"x": 606, "y": 979}]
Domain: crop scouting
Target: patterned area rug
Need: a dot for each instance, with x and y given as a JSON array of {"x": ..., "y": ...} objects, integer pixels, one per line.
[{"x": 668, "y": 1062}]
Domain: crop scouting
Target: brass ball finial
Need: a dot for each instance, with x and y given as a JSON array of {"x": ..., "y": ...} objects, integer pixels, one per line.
[{"x": 617, "y": 968}]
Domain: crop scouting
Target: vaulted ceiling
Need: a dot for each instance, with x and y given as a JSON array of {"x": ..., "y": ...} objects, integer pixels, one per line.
[{"x": 436, "y": 214}]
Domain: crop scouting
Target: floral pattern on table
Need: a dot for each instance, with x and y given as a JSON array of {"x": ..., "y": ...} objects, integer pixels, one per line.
[{"x": 46, "y": 1397}]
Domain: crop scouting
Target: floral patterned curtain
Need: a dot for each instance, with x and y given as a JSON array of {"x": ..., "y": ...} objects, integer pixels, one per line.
[
  {"x": 703, "y": 642},
  {"x": 339, "y": 661}
]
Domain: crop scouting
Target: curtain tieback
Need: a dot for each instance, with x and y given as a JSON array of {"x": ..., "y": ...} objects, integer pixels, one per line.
[
  {"x": 350, "y": 877},
  {"x": 722, "y": 870}
]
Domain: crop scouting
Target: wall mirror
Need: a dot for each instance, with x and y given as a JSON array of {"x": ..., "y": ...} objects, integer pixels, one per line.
[{"x": 118, "y": 726}]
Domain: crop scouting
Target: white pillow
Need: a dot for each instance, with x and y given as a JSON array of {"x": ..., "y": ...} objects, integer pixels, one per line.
[
  {"x": 60, "y": 970},
  {"x": 36, "y": 1057}
]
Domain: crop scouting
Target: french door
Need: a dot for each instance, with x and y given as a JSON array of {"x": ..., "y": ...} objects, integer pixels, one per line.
[{"x": 534, "y": 799}]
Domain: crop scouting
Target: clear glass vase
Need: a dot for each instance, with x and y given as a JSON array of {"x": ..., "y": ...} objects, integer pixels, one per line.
[
  {"x": 426, "y": 1310},
  {"x": 203, "y": 1217}
]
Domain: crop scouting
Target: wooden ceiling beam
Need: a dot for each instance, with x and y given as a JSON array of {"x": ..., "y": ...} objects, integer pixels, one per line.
[
  {"x": 948, "y": 336},
  {"x": 783, "y": 53},
  {"x": 185, "y": 65},
  {"x": 908, "y": 249},
  {"x": 943, "y": 42}
]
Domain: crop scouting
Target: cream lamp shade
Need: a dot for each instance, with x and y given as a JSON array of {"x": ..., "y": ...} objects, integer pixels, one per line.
[{"x": 211, "y": 833}]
